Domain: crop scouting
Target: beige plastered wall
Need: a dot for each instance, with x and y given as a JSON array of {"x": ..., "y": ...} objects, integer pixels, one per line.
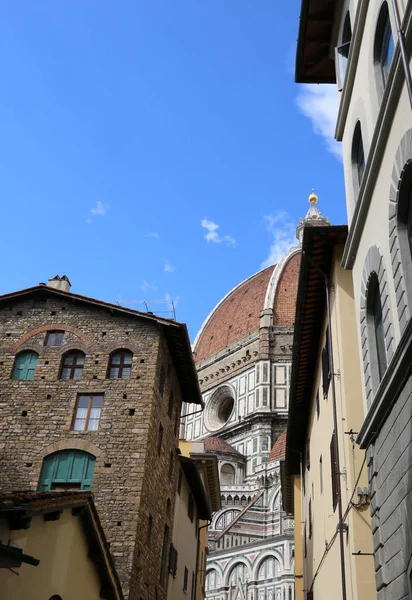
[
  {"x": 360, "y": 581},
  {"x": 64, "y": 568}
]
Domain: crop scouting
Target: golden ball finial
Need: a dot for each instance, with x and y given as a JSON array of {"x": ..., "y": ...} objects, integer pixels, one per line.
[{"x": 313, "y": 197}]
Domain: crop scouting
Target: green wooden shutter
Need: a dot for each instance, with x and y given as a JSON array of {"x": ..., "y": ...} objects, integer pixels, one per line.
[
  {"x": 88, "y": 472},
  {"x": 25, "y": 365},
  {"x": 69, "y": 466},
  {"x": 46, "y": 475}
]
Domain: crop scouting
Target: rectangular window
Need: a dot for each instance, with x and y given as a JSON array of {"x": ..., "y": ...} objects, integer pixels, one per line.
[
  {"x": 149, "y": 530},
  {"x": 191, "y": 508},
  {"x": 255, "y": 444},
  {"x": 160, "y": 440},
  {"x": 192, "y": 595},
  {"x": 173, "y": 560},
  {"x": 305, "y": 543},
  {"x": 179, "y": 482},
  {"x": 171, "y": 466},
  {"x": 326, "y": 374},
  {"x": 310, "y": 518},
  {"x": 317, "y": 405},
  {"x": 87, "y": 412},
  {"x": 165, "y": 549},
  {"x": 334, "y": 471},
  {"x": 186, "y": 577},
  {"x": 341, "y": 62},
  {"x": 54, "y": 338},
  {"x": 170, "y": 405},
  {"x": 308, "y": 455},
  {"x": 321, "y": 475},
  {"x": 265, "y": 444}
]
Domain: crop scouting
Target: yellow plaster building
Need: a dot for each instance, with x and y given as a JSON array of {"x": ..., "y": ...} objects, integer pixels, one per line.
[
  {"x": 324, "y": 476},
  {"x": 52, "y": 546},
  {"x": 197, "y": 497}
]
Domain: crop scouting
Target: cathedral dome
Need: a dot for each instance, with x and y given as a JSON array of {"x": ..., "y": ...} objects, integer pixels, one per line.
[{"x": 238, "y": 314}]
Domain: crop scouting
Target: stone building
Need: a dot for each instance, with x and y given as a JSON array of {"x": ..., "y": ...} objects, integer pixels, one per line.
[
  {"x": 90, "y": 398},
  {"x": 364, "y": 47},
  {"x": 243, "y": 354}
]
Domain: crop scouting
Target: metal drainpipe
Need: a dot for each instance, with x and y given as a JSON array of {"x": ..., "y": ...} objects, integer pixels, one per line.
[
  {"x": 335, "y": 425},
  {"x": 401, "y": 38}
]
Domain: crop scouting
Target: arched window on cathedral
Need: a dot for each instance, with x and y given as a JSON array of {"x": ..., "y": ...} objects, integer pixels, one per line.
[
  {"x": 212, "y": 581},
  {"x": 239, "y": 571},
  {"x": 243, "y": 500},
  {"x": 268, "y": 568},
  {"x": 227, "y": 475}
]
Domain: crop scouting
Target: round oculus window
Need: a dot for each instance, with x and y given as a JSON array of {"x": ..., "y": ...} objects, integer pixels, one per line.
[{"x": 219, "y": 408}]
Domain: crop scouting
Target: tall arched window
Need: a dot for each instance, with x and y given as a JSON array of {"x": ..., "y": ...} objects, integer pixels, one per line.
[
  {"x": 72, "y": 365},
  {"x": 120, "y": 365},
  {"x": 227, "y": 475},
  {"x": 384, "y": 48},
  {"x": 67, "y": 470},
  {"x": 376, "y": 332},
  {"x": 239, "y": 571},
  {"x": 212, "y": 580},
  {"x": 267, "y": 569},
  {"x": 358, "y": 157},
  {"x": 25, "y": 365},
  {"x": 342, "y": 52}
]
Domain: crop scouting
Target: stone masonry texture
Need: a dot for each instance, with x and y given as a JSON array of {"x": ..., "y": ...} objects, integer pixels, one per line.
[{"x": 131, "y": 480}]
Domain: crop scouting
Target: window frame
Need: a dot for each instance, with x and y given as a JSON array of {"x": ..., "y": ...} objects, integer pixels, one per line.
[
  {"x": 160, "y": 435},
  {"x": 191, "y": 507},
  {"x": 122, "y": 364},
  {"x": 54, "y": 335},
  {"x": 358, "y": 158},
  {"x": 342, "y": 52},
  {"x": 381, "y": 48},
  {"x": 77, "y": 354},
  {"x": 165, "y": 555},
  {"x": 91, "y": 397},
  {"x": 334, "y": 471}
]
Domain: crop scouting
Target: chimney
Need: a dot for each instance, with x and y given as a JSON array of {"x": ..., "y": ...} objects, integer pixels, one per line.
[{"x": 60, "y": 283}]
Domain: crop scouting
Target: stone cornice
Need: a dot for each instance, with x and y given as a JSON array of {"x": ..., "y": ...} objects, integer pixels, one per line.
[
  {"x": 382, "y": 128},
  {"x": 392, "y": 384}
]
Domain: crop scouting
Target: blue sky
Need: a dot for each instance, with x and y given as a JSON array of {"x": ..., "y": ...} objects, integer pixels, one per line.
[{"x": 127, "y": 125}]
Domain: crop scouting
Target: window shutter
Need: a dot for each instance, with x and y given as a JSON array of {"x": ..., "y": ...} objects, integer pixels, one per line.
[
  {"x": 326, "y": 374},
  {"x": 47, "y": 474},
  {"x": 88, "y": 473},
  {"x": 334, "y": 471}
]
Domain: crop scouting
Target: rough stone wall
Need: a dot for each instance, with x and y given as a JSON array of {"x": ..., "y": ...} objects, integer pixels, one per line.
[
  {"x": 130, "y": 479},
  {"x": 390, "y": 479}
]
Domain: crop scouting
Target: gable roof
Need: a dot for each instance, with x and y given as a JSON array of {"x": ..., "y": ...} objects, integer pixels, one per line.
[
  {"x": 26, "y": 504},
  {"x": 175, "y": 333},
  {"x": 216, "y": 444},
  {"x": 279, "y": 448}
]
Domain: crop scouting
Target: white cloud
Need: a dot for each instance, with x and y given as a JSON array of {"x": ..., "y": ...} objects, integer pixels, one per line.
[
  {"x": 101, "y": 208},
  {"x": 212, "y": 234},
  {"x": 153, "y": 234},
  {"x": 168, "y": 267},
  {"x": 146, "y": 286},
  {"x": 320, "y": 103},
  {"x": 283, "y": 233}
]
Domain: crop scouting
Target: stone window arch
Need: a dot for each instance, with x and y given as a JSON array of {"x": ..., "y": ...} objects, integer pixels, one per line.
[
  {"x": 374, "y": 281},
  {"x": 227, "y": 474},
  {"x": 400, "y": 228}
]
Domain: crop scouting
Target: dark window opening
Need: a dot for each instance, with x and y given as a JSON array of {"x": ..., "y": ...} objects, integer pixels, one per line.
[
  {"x": 54, "y": 338},
  {"x": 165, "y": 552},
  {"x": 72, "y": 365},
  {"x": 120, "y": 365},
  {"x": 374, "y": 308},
  {"x": 334, "y": 471}
]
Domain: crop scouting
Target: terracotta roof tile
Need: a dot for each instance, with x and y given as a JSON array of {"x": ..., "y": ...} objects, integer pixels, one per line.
[
  {"x": 287, "y": 290},
  {"x": 279, "y": 448},
  {"x": 215, "y": 444},
  {"x": 236, "y": 317}
]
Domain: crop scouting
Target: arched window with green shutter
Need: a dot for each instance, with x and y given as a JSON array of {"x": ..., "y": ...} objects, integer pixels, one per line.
[
  {"x": 67, "y": 470},
  {"x": 25, "y": 365}
]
